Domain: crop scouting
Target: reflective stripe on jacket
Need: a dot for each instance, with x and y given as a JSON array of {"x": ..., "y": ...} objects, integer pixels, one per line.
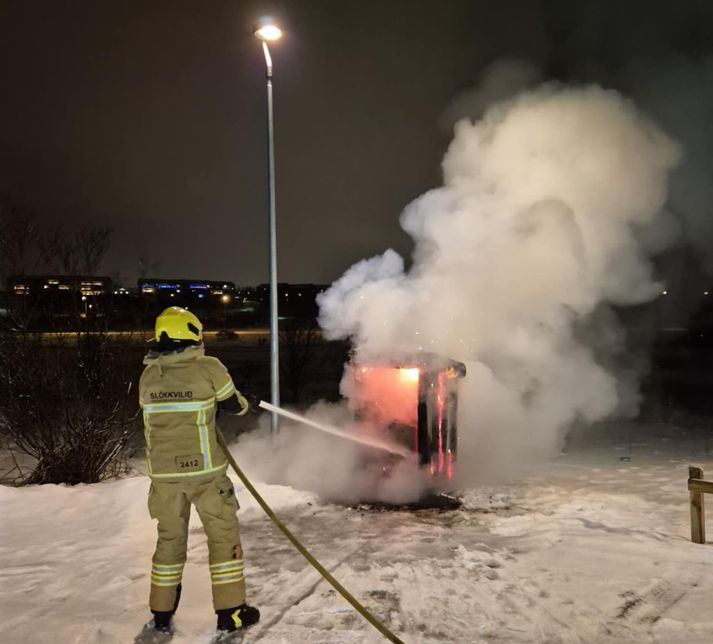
[{"x": 178, "y": 392}]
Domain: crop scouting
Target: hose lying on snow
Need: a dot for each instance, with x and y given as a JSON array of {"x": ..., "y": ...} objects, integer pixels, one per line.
[{"x": 305, "y": 553}]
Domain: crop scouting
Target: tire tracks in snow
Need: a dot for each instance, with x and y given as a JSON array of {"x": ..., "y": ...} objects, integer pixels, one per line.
[
  {"x": 650, "y": 605},
  {"x": 309, "y": 590}
]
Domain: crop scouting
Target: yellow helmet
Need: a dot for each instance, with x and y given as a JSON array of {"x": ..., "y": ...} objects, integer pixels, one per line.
[{"x": 179, "y": 324}]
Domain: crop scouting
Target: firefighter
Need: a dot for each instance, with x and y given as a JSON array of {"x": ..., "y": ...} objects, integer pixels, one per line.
[{"x": 180, "y": 391}]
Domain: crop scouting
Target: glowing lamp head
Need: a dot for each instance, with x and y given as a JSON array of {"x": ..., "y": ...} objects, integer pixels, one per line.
[{"x": 266, "y": 30}]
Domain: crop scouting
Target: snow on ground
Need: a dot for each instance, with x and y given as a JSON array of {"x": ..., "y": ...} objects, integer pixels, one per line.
[{"x": 588, "y": 549}]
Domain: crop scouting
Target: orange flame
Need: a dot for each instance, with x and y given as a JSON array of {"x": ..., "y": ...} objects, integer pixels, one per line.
[
  {"x": 388, "y": 395},
  {"x": 411, "y": 375}
]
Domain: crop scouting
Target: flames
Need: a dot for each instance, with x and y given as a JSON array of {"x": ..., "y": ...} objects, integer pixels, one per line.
[
  {"x": 409, "y": 375},
  {"x": 415, "y": 406},
  {"x": 387, "y": 395}
]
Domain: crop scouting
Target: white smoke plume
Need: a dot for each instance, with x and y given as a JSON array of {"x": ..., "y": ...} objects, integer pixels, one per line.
[{"x": 535, "y": 229}]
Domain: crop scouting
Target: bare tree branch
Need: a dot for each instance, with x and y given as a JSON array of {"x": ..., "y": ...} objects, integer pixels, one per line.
[
  {"x": 18, "y": 237},
  {"x": 92, "y": 243}
]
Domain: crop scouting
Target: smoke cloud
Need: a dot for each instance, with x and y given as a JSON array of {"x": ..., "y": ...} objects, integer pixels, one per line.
[
  {"x": 537, "y": 228},
  {"x": 664, "y": 63},
  {"x": 336, "y": 469}
]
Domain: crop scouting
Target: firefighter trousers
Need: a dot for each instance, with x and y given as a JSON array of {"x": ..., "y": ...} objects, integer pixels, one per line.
[{"x": 214, "y": 499}]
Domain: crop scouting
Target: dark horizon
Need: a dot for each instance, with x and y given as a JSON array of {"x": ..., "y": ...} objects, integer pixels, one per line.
[{"x": 150, "y": 119}]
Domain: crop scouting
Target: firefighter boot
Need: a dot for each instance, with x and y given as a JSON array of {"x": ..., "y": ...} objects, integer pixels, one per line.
[
  {"x": 232, "y": 619},
  {"x": 162, "y": 618}
]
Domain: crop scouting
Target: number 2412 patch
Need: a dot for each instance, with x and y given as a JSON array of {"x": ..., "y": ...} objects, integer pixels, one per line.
[{"x": 189, "y": 462}]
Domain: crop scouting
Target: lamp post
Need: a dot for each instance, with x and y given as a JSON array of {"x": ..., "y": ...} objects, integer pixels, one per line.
[
  {"x": 267, "y": 31},
  {"x": 86, "y": 312},
  {"x": 225, "y": 299}
]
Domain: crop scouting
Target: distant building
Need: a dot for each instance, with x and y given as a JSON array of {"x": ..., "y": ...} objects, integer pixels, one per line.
[
  {"x": 201, "y": 291},
  {"x": 293, "y": 300},
  {"x": 58, "y": 301},
  {"x": 87, "y": 285}
]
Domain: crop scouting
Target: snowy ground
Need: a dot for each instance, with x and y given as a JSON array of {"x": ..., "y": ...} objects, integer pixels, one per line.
[{"x": 589, "y": 549}]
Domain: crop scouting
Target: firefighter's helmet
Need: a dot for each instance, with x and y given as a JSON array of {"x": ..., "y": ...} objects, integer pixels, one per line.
[{"x": 179, "y": 324}]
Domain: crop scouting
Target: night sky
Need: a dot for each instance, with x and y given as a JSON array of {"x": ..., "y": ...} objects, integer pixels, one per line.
[{"x": 149, "y": 118}]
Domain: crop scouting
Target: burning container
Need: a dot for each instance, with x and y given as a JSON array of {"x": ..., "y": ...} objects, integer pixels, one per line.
[{"x": 415, "y": 400}]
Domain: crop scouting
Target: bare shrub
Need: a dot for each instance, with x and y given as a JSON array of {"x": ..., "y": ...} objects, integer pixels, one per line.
[
  {"x": 68, "y": 404},
  {"x": 65, "y": 398}
]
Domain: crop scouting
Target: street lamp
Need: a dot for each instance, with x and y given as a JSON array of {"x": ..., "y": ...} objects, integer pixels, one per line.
[
  {"x": 225, "y": 299},
  {"x": 267, "y": 31}
]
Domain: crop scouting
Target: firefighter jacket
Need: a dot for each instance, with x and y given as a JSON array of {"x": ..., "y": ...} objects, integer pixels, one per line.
[{"x": 178, "y": 392}]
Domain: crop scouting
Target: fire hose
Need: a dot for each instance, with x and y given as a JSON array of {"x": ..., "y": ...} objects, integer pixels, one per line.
[{"x": 360, "y": 608}]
